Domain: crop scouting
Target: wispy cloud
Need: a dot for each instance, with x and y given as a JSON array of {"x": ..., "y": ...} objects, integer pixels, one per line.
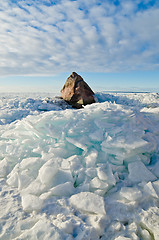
[{"x": 47, "y": 37}]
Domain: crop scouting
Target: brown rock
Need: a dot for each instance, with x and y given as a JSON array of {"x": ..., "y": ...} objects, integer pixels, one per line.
[{"x": 77, "y": 92}]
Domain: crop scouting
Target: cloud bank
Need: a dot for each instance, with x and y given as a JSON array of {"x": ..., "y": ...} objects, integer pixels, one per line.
[{"x": 44, "y": 37}]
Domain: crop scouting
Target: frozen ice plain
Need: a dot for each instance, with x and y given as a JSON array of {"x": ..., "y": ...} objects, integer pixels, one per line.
[{"x": 83, "y": 174}]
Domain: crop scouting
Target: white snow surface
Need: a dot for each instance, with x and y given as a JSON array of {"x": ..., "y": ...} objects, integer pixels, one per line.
[{"x": 84, "y": 174}]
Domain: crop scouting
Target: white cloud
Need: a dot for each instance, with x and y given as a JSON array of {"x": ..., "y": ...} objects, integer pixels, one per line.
[{"x": 40, "y": 38}]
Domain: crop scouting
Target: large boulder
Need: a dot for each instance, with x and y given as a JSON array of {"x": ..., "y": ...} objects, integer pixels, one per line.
[{"x": 77, "y": 92}]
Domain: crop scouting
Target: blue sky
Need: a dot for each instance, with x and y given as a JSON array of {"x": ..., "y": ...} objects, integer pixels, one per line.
[{"x": 113, "y": 45}]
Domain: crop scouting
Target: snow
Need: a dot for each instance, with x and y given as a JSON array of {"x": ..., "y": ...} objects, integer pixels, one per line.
[{"x": 90, "y": 173}]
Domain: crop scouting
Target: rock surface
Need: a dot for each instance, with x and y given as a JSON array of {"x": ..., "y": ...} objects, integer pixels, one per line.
[{"x": 77, "y": 92}]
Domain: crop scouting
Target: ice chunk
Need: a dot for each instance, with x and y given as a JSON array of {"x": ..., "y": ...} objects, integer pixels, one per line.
[
  {"x": 88, "y": 202},
  {"x": 62, "y": 190},
  {"x": 145, "y": 159},
  {"x": 65, "y": 189},
  {"x": 96, "y": 135},
  {"x": 138, "y": 172},
  {"x": 91, "y": 172},
  {"x": 131, "y": 159},
  {"x": 73, "y": 163},
  {"x": 85, "y": 187},
  {"x": 105, "y": 173},
  {"x": 23, "y": 179},
  {"x": 156, "y": 187},
  {"x": 101, "y": 192},
  {"x": 35, "y": 187},
  {"x": 145, "y": 234},
  {"x": 32, "y": 164},
  {"x": 150, "y": 189},
  {"x": 76, "y": 143},
  {"x": 123, "y": 146},
  {"x": 122, "y": 238},
  {"x": 97, "y": 183},
  {"x": 62, "y": 176},
  {"x": 47, "y": 174},
  {"x": 65, "y": 164},
  {"x": 31, "y": 203},
  {"x": 51, "y": 176},
  {"x": 150, "y": 110},
  {"x": 91, "y": 158},
  {"x": 156, "y": 169},
  {"x": 3, "y": 168},
  {"x": 130, "y": 193},
  {"x": 79, "y": 176},
  {"x": 13, "y": 179}
]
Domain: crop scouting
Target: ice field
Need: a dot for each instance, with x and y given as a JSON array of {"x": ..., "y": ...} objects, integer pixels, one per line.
[{"x": 84, "y": 174}]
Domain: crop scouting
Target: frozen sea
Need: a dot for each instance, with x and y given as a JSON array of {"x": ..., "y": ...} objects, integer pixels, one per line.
[{"x": 84, "y": 174}]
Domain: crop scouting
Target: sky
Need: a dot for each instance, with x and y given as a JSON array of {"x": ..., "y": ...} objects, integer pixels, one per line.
[{"x": 112, "y": 44}]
